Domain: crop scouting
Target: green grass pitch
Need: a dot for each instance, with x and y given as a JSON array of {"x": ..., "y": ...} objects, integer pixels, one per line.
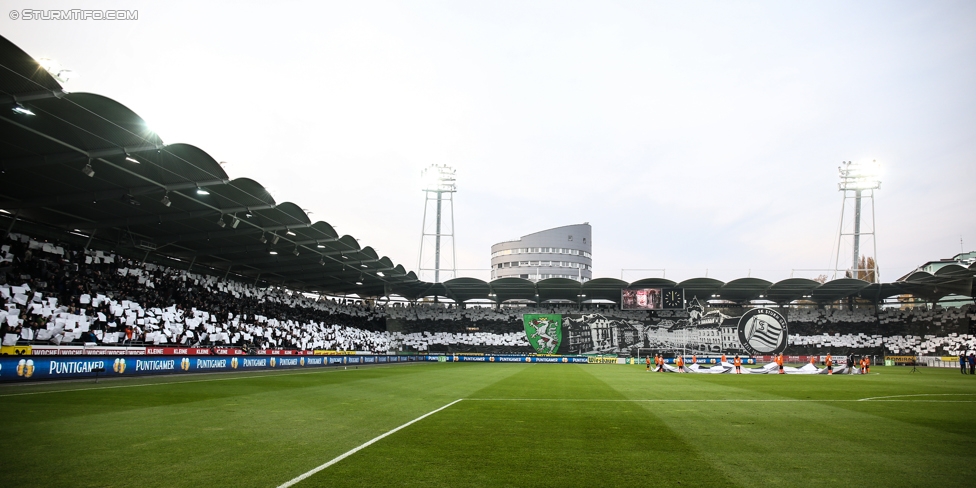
[{"x": 517, "y": 425}]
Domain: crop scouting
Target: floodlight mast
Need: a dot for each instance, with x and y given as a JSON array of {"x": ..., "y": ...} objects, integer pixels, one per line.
[
  {"x": 855, "y": 180},
  {"x": 439, "y": 182}
]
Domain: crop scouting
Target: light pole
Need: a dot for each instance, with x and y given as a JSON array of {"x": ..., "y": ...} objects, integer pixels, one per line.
[
  {"x": 858, "y": 181},
  {"x": 439, "y": 185}
]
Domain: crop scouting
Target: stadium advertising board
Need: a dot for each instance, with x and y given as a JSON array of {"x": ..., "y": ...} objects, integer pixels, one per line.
[{"x": 44, "y": 367}]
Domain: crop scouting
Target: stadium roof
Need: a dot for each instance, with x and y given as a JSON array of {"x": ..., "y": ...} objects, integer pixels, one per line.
[
  {"x": 88, "y": 166},
  {"x": 84, "y": 168}
]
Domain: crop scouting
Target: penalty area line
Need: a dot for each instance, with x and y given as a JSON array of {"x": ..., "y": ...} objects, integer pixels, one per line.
[{"x": 363, "y": 446}]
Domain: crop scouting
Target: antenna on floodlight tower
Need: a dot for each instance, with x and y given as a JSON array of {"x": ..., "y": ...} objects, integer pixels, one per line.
[
  {"x": 858, "y": 181},
  {"x": 439, "y": 186}
]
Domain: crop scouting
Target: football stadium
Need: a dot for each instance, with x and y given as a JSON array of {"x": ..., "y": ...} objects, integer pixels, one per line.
[{"x": 167, "y": 324}]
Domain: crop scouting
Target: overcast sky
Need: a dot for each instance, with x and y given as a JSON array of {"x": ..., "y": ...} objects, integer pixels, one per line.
[{"x": 692, "y": 136}]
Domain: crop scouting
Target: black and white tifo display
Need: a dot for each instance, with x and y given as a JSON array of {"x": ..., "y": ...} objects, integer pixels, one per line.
[{"x": 757, "y": 331}]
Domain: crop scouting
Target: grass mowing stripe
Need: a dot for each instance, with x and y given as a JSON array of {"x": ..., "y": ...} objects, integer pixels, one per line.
[
  {"x": 274, "y": 374},
  {"x": 527, "y": 444},
  {"x": 363, "y": 446}
]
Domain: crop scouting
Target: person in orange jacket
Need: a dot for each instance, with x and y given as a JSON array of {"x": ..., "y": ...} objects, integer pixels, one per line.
[
  {"x": 813, "y": 361},
  {"x": 738, "y": 364},
  {"x": 779, "y": 361},
  {"x": 724, "y": 360},
  {"x": 830, "y": 364},
  {"x": 648, "y": 361},
  {"x": 679, "y": 362},
  {"x": 660, "y": 363}
]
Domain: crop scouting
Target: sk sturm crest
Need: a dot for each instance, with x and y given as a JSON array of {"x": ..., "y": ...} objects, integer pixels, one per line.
[
  {"x": 544, "y": 332},
  {"x": 763, "y": 331}
]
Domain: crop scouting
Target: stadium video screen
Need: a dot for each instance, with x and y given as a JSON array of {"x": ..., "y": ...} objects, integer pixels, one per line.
[{"x": 641, "y": 299}]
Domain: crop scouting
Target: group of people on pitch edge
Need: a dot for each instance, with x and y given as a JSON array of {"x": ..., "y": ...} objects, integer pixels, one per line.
[
  {"x": 971, "y": 359},
  {"x": 864, "y": 364}
]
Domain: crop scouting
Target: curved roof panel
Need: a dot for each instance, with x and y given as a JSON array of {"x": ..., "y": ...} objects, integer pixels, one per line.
[
  {"x": 837, "y": 289},
  {"x": 25, "y": 76},
  {"x": 559, "y": 289},
  {"x": 652, "y": 283},
  {"x": 464, "y": 289},
  {"x": 701, "y": 288},
  {"x": 743, "y": 289},
  {"x": 791, "y": 289},
  {"x": 603, "y": 289},
  {"x": 513, "y": 289}
]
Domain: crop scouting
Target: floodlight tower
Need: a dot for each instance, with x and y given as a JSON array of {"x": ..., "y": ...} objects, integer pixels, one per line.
[
  {"x": 857, "y": 182},
  {"x": 439, "y": 186}
]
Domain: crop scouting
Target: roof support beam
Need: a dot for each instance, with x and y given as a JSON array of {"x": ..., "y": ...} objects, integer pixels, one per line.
[
  {"x": 284, "y": 249},
  {"x": 152, "y": 219},
  {"x": 31, "y": 162},
  {"x": 31, "y": 96},
  {"x": 72, "y": 198}
]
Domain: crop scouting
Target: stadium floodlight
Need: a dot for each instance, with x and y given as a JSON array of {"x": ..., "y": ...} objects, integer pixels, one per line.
[
  {"x": 439, "y": 178},
  {"x": 859, "y": 176},
  {"x": 264, "y": 240},
  {"x": 273, "y": 253},
  {"x": 289, "y": 232},
  {"x": 166, "y": 201},
  {"x": 295, "y": 252},
  {"x": 202, "y": 191},
  {"x": 235, "y": 222},
  {"x": 89, "y": 172},
  {"x": 320, "y": 246},
  {"x": 220, "y": 222},
  {"x": 274, "y": 238},
  {"x": 22, "y": 110},
  {"x": 55, "y": 69},
  {"x": 131, "y": 159}
]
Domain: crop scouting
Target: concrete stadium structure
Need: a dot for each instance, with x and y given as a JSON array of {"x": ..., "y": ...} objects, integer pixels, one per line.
[{"x": 561, "y": 252}]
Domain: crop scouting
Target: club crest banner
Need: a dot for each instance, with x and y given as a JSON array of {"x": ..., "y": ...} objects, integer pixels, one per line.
[
  {"x": 544, "y": 331},
  {"x": 763, "y": 331}
]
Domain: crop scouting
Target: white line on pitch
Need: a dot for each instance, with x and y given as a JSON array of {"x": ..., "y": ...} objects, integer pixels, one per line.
[
  {"x": 364, "y": 445},
  {"x": 713, "y": 400},
  {"x": 163, "y": 383},
  {"x": 917, "y": 395}
]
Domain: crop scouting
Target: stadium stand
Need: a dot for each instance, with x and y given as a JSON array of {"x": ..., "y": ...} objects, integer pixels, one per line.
[
  {"x": 104, "y": 219},
  {"x": 55, "y": 293}
]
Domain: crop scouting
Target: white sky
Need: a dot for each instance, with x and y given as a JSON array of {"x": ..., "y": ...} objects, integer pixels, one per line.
[{"x": 691, "y": 135}]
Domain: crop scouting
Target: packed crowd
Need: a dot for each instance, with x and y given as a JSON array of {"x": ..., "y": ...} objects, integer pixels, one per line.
[{"x": 55, "y": 294}]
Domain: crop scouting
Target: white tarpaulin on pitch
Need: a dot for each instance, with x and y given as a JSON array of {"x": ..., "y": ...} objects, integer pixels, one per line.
[{"x": 770, "y": 368}]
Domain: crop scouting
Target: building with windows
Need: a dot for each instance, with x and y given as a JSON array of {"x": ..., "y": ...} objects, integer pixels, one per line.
[{"x": 562, "y": 252}]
